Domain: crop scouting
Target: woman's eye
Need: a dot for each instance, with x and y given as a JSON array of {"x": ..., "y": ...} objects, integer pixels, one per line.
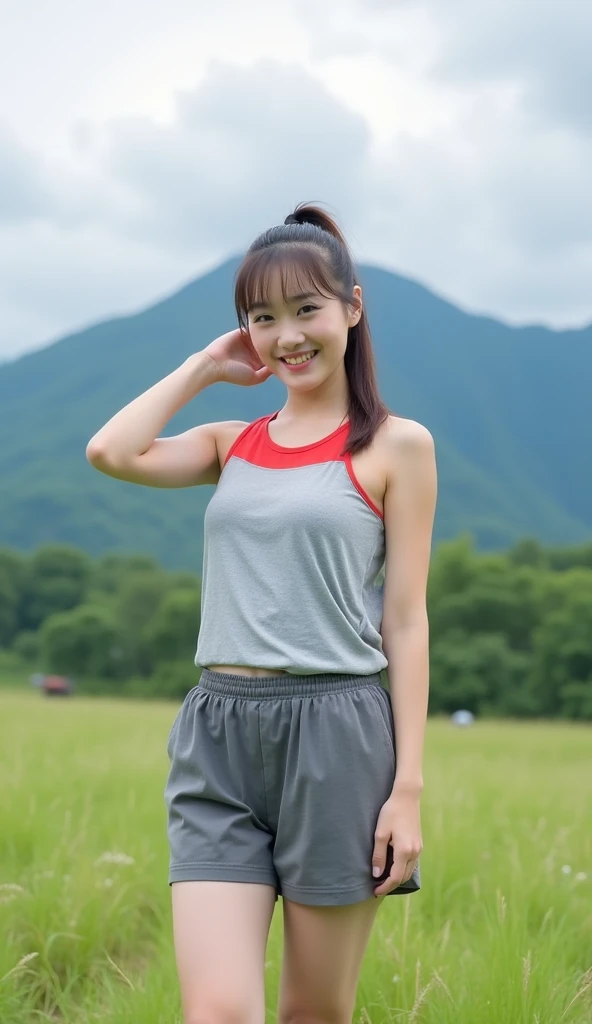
[{"x": 307, "y": 306}]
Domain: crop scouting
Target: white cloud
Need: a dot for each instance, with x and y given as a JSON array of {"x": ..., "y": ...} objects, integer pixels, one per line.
[
  {"x": 23, "y": 191},
  {"x": 539, "y": 42},
  {"x": 147, "y": 144},
  {"x": 59, "y": 281},
  {"x": 247, "y": 145}
]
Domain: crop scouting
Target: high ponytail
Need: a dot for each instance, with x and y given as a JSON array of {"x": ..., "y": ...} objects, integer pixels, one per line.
[
  {"x": 306, "y": 213},
  {"x": 310, "y": 245}
]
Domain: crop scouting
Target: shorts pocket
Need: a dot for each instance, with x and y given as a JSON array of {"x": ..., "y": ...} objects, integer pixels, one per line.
[
  {"x": 384, "y": 712},
  {"x": 174, "y": 728},
  {"x": 169, "y": 746}
]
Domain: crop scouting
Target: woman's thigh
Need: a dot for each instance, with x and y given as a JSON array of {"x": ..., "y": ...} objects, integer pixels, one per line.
[
  {"x": 220, "y": 932},
  {"x": 323, "y": 952}
]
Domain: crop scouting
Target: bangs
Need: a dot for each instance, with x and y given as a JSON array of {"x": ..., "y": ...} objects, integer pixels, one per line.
[{"x": 301, "y": 269}]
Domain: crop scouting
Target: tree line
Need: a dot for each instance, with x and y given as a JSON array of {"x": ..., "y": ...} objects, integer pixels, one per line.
[{"x": 510, "y": 632}]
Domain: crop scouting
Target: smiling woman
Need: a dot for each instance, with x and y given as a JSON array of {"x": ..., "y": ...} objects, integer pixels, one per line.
[
  {"x": 287, "y": 776},
  {"x": 297, "y": 291}
]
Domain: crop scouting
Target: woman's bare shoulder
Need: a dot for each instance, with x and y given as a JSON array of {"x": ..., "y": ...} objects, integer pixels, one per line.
[
  {"x": 400, "y": 431},
  {"x": 227, "y": 432}
]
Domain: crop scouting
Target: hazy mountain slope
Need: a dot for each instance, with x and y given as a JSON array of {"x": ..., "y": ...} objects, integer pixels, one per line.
[{"x": 507, "y": 408}]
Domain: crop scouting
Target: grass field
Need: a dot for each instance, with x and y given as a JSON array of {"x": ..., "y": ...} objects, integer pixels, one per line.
[{"x": 500, "y": 933}]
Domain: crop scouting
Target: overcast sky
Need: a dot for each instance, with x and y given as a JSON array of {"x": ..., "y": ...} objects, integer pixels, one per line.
[{"x": 141, "y": 143}]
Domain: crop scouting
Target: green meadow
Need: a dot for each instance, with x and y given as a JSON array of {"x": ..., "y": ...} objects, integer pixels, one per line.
[{"x": 500, "y": 933}]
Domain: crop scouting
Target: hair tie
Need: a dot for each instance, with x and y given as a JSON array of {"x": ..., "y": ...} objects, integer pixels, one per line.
[{"x": 291, "y": 219}]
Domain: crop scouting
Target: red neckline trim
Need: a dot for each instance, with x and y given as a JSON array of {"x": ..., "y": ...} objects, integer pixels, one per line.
[{"x": 302, "y": 447}]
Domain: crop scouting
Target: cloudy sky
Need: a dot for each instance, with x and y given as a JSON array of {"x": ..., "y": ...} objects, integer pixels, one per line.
[{"x": 142, "y": 143}]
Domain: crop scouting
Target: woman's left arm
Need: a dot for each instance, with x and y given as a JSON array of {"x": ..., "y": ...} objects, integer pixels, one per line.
[{"x": 409, "y": 510}]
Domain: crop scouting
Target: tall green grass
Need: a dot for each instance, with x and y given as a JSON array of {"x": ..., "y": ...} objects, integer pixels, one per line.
[{"x": 500, "y": 933}]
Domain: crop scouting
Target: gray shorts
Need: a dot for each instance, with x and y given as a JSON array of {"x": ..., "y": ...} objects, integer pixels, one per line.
[{"x": 280, "y": 780}]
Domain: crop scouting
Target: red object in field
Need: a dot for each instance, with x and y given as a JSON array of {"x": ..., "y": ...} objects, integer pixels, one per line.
[{"x": 56, "y": 686}]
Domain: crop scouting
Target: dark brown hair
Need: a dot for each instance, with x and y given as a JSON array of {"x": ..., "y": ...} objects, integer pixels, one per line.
[{"x": 311, "y": 247}]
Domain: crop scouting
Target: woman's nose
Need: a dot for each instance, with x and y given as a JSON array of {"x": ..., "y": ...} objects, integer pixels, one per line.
[{"x": 290, "y": 333}]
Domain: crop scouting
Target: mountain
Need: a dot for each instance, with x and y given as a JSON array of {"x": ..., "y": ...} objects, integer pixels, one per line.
[{"x": 508, "y": 408}]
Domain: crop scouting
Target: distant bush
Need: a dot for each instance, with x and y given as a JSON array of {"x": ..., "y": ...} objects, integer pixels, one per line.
[
  {"x": 510, "y": 632},
  {"x": 26, "y": 645},
  {"x": 170, "y": 679}
]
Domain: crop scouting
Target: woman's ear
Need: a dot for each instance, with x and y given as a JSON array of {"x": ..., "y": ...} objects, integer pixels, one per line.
[{"x": 355, "y": 311}]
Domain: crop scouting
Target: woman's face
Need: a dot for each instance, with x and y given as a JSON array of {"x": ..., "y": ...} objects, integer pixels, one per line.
[{"x": 301, "y": 325}]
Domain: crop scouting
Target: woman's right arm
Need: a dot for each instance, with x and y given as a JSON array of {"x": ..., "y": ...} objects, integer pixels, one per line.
[{"x": 128, "y": 448}]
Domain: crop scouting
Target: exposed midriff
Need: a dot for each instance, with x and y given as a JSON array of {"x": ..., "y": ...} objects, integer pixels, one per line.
[{"x": 247, "y": 670}]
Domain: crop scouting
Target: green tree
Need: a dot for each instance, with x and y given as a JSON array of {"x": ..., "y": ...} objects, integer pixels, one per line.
[
  {"x": 562, "y": 652},
  {"x": 480, "y": 673},
  {"x": 56, "y": 580},
  {"x": 529, "y": 552},
  {"x": 171, "y": 680},
  {"x": 84, "y": 641},
  {"x": 135, "y": 605},
  {"x": 110, "y": 570},
  {"x": 13, "y": 571},
  {"x": 26, "y": 644},
  {"x": 174, "y": 628}
]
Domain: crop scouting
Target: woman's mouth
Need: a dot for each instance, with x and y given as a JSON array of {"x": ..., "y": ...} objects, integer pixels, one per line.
[{"x": 301, "y": 360}]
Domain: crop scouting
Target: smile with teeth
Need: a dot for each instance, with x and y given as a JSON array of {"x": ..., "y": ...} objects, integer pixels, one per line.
[{"x": 298, "y": 359}]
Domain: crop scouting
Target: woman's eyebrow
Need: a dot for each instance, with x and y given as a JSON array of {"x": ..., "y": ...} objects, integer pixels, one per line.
[{"x": 291, "y": 298}]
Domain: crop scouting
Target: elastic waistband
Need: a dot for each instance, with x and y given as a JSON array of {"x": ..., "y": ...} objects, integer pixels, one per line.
[{"x": 282, "y": 686}]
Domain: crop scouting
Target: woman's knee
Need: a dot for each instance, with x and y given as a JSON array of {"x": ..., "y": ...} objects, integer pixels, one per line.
[{"x": 225, "y": 1012}]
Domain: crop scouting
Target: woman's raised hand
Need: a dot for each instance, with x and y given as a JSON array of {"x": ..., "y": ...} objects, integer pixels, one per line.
[{"x": 236, "y": 361}]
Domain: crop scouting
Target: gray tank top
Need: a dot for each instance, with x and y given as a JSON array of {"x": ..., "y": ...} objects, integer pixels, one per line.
[{"x": 293, "y": 564}]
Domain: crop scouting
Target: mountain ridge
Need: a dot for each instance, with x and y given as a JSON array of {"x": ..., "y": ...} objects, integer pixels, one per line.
[{"x": 507, "y": 469}]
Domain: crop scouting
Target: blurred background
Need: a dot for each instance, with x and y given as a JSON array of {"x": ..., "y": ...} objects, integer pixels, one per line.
[{"x": 142, "y": 148}]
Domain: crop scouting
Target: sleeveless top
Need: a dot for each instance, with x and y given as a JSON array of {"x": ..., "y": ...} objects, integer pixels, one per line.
[{"x": 293, "y": 560}]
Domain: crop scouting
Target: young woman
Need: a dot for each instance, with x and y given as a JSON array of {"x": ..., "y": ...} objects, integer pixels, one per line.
[{"x": 285, "y": 777}]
